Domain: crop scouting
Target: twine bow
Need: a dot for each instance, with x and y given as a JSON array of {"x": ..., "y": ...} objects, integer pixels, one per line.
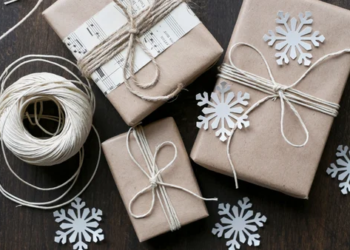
[
  {"x": 286, "y": 94},
  {"x": 156, "y": 184},
  {"x": 127, "y": 38}
]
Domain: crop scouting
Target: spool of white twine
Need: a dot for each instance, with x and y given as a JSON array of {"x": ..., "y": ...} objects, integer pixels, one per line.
[{"x": 76, "y": 105}]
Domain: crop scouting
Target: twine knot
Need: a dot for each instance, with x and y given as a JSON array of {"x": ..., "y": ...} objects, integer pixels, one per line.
[
  {"x": 126, "y": 39},
  {"x": 278, "y": 88},
  {"x": 279, "y": 91},
  {"x": 134, "y": 31},
  {"x": 154, "y": 182},
  {"x": 157, "y": 186},
  {"x": 287, "y": 94}
]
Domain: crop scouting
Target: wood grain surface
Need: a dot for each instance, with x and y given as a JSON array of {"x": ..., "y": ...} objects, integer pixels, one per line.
[{"x": 323, "y": 222}]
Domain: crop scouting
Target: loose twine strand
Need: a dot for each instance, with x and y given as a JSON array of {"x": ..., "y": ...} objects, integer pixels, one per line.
[
  {"x": 21, "y": 21},
  {"x": 126, "y": 38},
  {"x": 10, "y": 1},
  {"x": 277, "y": 91},
  {"x": 157, "y": 185},
  {"x": 76, "y": 107}
]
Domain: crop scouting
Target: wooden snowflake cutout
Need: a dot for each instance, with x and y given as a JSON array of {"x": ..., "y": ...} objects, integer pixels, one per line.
[
  {"x": 294, "y": 38},
  {"x": 222, "y": 110},
  {"x": 80, "y": 225},
  {"x": 239, "y": 224},
  {"x": 341, "y": 169}
]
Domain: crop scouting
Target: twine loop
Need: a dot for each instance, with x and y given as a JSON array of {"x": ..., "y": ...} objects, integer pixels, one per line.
[
  {"x": 286, "y": 94},
  {"x": 127, "y": 38},
  {"x": 157, "y": 185}
]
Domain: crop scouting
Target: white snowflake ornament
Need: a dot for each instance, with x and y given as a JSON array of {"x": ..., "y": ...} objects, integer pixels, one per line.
[
  {"x": 341, "y": 169},
  {"x": 239, "y": 224},
  {"x": 294, "y": 38},
  {"x": 81, "y": 224},
  {"x": 223, "y": 110}
]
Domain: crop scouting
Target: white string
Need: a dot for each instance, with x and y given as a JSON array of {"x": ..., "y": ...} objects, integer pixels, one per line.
[
  {"x": 155, "y": 179},
  {"x": 276, "y": 90},
  {"x": 22, "y": 21},
  {"x": 10, "y": 1},
  {"x": 76, "y": 107},
  {"x": 284, "y": 93},
  {"x": 168, "y": 209}
]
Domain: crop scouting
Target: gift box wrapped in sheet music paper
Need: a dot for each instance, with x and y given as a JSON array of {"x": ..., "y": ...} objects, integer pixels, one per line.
[
  {"x": 282, "y": 79},
  {"x": 155, "y": 179},
  {"x": 165, "y": 43}
]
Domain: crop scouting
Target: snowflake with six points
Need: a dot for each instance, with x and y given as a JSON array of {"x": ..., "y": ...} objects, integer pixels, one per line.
[
  {"x": 222, "y": 110},
  {"x": 342, "y": 169},
  {"x": 239, "y": 224},
  {"x": 294, "y": 38},
  {"x": 79, "y": 225}
]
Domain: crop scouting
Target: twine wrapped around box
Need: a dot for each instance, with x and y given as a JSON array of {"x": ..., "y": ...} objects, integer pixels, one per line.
[
  {"x": 277, "y": 91},
  {"x": 126, "y": 38},
  {"x": 157, "y": 185}
]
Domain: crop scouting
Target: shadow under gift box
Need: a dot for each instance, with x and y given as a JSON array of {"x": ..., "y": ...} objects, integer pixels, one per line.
[
  {"x": 259, "y": 153},
  {"x": 130, "y": 179},
  {"x": 182, "y": 62}
]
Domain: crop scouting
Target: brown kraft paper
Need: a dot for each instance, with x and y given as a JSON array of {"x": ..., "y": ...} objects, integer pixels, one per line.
[
  {"x": 130, "y": 179},
  {"x": 259, "y": 153},
  {"x": 182, "y": 63}
]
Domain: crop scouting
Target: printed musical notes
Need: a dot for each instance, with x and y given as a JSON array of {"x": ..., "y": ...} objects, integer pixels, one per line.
[
  {"x": 96, "y": 30},
  {"x": 75, "y": 45},
  {"x": 109, "y": 20}
]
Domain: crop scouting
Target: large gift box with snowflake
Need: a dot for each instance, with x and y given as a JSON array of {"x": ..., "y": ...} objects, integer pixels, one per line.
[
  {"x": 154, "y": 177},
  {"x": 277, "y": 94}
]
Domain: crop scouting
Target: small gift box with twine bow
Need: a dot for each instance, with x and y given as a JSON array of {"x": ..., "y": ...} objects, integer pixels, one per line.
[
  {"x": 162, "y": 41},
  {"x": 155, "y": 179},
  {"x": 286, "y": 67}
]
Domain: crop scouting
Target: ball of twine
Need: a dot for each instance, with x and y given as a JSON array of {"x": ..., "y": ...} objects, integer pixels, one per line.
[
  {"x": 74, "y": 119},
  {"x": 75, "y": 102}
]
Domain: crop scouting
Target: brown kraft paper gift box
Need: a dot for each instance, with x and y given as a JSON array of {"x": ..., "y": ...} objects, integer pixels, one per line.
[
  {"x": 183, "y": 62},
  {"x": 259, "y": 153},
  {"x": 130, "y": 179}
]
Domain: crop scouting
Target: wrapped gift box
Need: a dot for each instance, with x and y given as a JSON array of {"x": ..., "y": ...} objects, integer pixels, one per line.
[
  {"x": 259, "y": 152},
  {"x": 130, "y": 179},
  {"x": 182, "y": 62}
]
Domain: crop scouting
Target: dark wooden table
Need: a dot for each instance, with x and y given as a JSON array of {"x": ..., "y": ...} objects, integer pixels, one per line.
[{"x": 322, "y": 222}]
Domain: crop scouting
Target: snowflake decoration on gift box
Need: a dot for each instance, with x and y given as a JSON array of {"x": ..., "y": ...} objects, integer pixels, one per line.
[
  {"x": 239, "y": 224},
  {"x": 80, "y": 224},
  {"x": 341, "y": 169},
  {"x": 222, "y": 110},
  {"x": 294, "y": 38}
]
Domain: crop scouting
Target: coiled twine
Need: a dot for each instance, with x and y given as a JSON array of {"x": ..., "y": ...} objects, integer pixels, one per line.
[
  {"x": 75, "y": 102},
  {"x": 75, "y": 111}
]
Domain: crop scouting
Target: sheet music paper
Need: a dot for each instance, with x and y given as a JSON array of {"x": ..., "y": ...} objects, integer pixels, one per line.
[{"x": 109, "y": 20}]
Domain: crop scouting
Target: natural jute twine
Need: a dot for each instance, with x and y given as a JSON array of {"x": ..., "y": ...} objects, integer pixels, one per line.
[{"x": 127, "y": 38}]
